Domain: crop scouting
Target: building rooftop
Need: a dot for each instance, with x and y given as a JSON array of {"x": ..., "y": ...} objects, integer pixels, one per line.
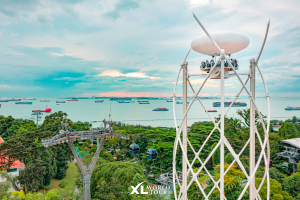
[
  {"x": 294, "y": 142},
  {"x": 16, "y": 163}
]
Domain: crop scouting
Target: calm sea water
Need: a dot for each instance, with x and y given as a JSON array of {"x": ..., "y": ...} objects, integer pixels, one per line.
[{"x": 135, "y": 113}]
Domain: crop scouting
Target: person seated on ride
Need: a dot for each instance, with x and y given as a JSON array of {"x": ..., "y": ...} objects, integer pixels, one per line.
[
  {"x": 212, "y": 63},
  {"x": 232, "y": 62},
  {"x": 226, "y": 63},
  {"x": 203, "y": 65},
  {"x": 207, "y": 63},
  {"x": 236, "y": 63}
]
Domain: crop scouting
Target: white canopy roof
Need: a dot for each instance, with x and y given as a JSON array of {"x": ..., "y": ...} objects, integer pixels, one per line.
[
  {"x": 229, "y": 41},
  {"x": 295, "y": 142}
]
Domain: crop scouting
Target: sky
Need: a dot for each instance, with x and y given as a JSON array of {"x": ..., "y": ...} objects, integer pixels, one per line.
[{"x": 60, "y": 48}]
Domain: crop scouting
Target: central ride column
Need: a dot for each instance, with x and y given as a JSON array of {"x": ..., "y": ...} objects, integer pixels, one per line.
[
  {"x": 184, "y": 129},
  {"x": 222, "y": 136},
  {"x": 252, "y": 194}
]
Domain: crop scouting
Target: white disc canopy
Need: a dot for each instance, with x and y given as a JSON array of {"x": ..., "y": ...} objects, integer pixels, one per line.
[{"x": 231, "y": 42}]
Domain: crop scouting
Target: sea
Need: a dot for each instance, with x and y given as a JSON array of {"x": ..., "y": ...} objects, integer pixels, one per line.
[{"x": 86, "y": 110}]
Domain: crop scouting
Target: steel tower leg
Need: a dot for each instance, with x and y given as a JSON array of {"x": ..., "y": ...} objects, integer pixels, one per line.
[
  {"x": 87, "y": 187},
  {"x": 184, "y": 129},
  {"x": 87, "y": 174},
  {"x": 222, "y": 145},
  {"x": 252, "y": 194}
]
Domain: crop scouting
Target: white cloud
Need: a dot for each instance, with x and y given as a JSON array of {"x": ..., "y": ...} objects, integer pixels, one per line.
[
  {"x": 5, "y": 86},
  {"x": 117, "y": 73}
]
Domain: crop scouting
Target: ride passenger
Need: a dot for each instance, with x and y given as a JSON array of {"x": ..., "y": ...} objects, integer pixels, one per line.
[
  {"x": 207, "y": 63},
  {"x": 236, "y": 63},
  {"x": 212, "y": 63},
  {"x": 203, "y": 64},
  {"x": 232, "y": 62}
]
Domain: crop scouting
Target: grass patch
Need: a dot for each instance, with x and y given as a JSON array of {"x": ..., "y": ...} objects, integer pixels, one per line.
[{"x": 70, "y": 178}]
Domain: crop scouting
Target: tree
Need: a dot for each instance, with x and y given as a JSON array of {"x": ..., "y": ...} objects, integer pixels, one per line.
[
  {"x": 229, "y": 158},
  {"x": 4, "y": 185},
  {"x": 113, "y": 190},
  {"x": 216, "y": 155},
  {"x": 120, "y": 174},
  {"x": 275, "y": 187},
  {"x": 291, "y": 184},
  {"x": 33, "y": 175},
  {"x": 60, "y": 153},
  {"x": 288, "y": 131},
  {"x": 274, "y": 174}
]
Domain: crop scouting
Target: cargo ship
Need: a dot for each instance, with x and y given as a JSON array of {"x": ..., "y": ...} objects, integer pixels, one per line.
[
  {"x": 46, "y": 110},
  {"x": 72, "y": 100},
  {"x": 120, "y": 99},
  {"x": 160, "y": 109},
  {"x": 13, "y": 99},
  {"x": 292, "y": 108},
  {"x": 180, "y": 102},
  {"x": 126, "y": 101},
  {"x": 30, "y": 98},
  {"x": 3, "y": 100},
  {"x": 99, "y": 101},
  {"x": 212, "y": 111},
  {"x": 227, "y": 104},
  {"x": 44, "y": 100},
  {"x": 60, "y": 102},
  {"x": 22, "y": 102},
  {"x": 144, "y": 102},
  {"x": 169, "y": 100}
]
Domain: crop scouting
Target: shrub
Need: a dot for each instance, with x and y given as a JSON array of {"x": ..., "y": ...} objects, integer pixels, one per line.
[{"x": 63, "y": 184}]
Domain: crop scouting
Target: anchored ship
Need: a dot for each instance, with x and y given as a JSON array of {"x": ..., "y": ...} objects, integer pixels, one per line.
[
  {"x": 72, "y": 100},
  {"x": 120, "y": 99},
  {"x": 126, "y": 101},
  {"x": 22, "y": 102},
  {"x": 292, "y": 108},
  {"x": 13, "y": 99},
  {"x": 44, "y": 100},
  {"x": 180, "y": 102},
  {"x": 3, "y": 100},
  {"x": 99, "y": 101},
  {"x": 227, "y": 104},
  {"x": 60, "y": 102},
  {"x": 160, "y": 109},
  {"x": 144, "y": 102},
  {"x": 212, "y": 111},
  {"x": 169, "y": 100},
  {"x": 46, "y": 110}
]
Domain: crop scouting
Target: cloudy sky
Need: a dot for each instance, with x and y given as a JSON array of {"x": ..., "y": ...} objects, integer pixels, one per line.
[{"x": 58, "y": 48}]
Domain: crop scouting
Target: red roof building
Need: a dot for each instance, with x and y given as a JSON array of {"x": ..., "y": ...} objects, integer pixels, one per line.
[{"x": 15, "y": 167}]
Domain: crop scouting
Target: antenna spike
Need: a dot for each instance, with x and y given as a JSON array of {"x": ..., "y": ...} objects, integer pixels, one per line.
[{"x": 263, "y": 45}]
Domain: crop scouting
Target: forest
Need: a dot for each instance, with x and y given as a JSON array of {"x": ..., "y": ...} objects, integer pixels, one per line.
[{"x": 117, "y": 169}]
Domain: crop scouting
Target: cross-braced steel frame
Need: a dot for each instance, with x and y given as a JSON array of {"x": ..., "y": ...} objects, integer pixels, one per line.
[{"x": 182, "y": 141}]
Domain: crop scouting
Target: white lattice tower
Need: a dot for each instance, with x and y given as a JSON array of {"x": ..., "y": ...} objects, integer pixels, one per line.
[{"x": 182, "y": 142}]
